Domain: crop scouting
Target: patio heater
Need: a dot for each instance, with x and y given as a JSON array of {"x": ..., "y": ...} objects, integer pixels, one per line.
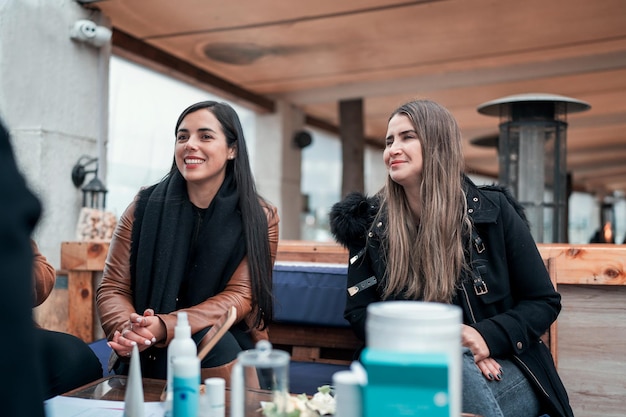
[{"x": 532, "y": 157}]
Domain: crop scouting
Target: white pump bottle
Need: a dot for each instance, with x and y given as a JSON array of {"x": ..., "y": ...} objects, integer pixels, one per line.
[{"x": 181, "y": 346}]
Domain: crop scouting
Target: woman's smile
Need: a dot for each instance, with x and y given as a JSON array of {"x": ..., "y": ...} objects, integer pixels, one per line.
[{"x": 192, "y": 162}]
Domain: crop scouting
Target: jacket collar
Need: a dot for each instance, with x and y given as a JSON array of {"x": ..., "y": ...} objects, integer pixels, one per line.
[{"x": 480, "y": 207}]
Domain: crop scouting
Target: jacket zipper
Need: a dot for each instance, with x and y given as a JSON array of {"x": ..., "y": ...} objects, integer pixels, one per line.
[
  {"x": 521, "y": 362},
  {"x": 469, "y": 305}
]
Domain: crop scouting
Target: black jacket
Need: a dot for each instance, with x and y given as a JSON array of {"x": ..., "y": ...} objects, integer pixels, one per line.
[{"x": 508, "y": 296}]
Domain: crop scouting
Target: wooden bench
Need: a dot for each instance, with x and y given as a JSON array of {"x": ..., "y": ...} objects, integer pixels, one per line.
[{"x": 323, "y": 344}]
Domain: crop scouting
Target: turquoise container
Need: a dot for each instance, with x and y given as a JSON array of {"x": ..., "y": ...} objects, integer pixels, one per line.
[{"x": 401, "y": 384}]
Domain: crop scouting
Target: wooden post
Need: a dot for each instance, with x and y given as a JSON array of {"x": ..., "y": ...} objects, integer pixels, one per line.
[
  {"x": 82, "y": 260},
  {"x": 352, "y": 145}
]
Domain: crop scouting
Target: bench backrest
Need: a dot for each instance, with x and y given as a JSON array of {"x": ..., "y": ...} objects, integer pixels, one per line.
[{"x": 310, "y": 338}]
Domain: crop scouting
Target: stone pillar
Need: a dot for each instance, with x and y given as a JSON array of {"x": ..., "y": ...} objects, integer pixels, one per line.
[
  {"x": 375, "y": 170},
  {"x": 352, "y": 145},
  {"x": 277, "y": 165},
  {"x": 54, "y": 103}
]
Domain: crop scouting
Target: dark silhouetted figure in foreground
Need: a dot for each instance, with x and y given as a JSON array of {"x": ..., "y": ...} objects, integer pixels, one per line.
[{"x": 21, "y": 388}]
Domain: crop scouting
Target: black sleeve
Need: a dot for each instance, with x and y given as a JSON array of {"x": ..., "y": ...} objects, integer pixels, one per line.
[
  {"x": 21, "y": 393},
  {"x": 359, "y": 272}
]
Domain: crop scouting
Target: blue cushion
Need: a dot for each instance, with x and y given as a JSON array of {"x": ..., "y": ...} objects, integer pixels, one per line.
[
  {"x": 102, "y": 351},
  {"x": 305, "y": 377},
  {"x": 310, "y": 294}
]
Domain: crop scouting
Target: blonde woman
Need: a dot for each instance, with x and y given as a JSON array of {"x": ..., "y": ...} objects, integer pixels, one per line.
[{"x": 430, "y": 234}]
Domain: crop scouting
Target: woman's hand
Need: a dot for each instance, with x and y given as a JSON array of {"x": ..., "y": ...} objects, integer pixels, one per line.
[
  {"x": 490, "y": 368},
  {"x": 473, "y": 340},
  {"x": 139, "y": 330},
  {"x": 149, "y": 327}
]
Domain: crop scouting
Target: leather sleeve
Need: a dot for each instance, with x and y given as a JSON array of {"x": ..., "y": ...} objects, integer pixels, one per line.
[
  {"x": 114, "y": 298},
  {"x": 44, "y": 276}
]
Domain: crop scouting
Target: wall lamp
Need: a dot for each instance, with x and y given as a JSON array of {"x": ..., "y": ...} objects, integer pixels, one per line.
[
  {"x": 302, "y": 139},
  {"x": 94, "y": 193}
]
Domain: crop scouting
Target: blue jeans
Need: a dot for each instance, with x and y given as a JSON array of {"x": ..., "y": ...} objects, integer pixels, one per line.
[{"x": 512, "y": 396}]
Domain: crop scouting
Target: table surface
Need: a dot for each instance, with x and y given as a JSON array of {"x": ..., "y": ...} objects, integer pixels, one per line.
[{"x": 112, "y": 388}]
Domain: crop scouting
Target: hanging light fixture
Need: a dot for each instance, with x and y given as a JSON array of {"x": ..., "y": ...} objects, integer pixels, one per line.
[{"x": 94, "y": 193}]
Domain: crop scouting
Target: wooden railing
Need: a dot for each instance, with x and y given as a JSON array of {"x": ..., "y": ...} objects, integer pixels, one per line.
[
  {"x": 568, "y": 264},
  {"x": 83, "y": 261}
]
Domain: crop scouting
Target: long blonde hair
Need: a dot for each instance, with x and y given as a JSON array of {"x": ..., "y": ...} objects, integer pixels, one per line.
[{"x": 424, "y": 260}]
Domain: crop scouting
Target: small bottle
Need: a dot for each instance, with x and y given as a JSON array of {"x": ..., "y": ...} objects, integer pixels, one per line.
[
  {"x": 347, "y": 394},
  {"x": 213, "y": 402},
  {"x": 186, "y": 382},
  {"x": 181, "y": 346}
]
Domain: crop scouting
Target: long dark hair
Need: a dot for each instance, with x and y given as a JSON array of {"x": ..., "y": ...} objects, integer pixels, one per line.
[{"x": 251, "y": 204}]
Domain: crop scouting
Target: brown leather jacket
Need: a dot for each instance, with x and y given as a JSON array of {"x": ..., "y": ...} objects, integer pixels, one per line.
[
  {"x": 114, "y": 298},
  {"x": 44, "y": 276}
]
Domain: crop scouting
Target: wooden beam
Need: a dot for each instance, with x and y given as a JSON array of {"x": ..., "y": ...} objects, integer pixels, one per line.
[
  {"x": 126, "y": 44},
  {"x": 334, "y": 129},
  {"x": 83, "y": 256},
  {"x": 604, "y": 169},
  {"x": 308, "y": 251}
]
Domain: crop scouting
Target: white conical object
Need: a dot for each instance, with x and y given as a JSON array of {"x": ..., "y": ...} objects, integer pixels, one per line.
[{"x": 133, "y": 398}]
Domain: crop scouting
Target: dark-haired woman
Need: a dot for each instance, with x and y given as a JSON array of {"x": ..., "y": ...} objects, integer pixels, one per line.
[{"x": 200, "y": 241}]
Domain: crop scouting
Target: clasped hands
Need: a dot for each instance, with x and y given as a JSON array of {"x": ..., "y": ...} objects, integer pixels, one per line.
[
  {"x": 472, "y": 339},
  {"x": 141, "y": 331}
]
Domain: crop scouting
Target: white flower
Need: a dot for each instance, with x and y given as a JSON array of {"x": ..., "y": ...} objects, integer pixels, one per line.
[{"x": 322, "y": 403}]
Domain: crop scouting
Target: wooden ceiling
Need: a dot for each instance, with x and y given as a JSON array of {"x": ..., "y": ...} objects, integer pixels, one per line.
[{"x": 460, "y": 53}]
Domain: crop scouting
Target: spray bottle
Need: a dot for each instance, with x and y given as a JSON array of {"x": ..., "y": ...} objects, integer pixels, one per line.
[{"x": 181, "y": 346}]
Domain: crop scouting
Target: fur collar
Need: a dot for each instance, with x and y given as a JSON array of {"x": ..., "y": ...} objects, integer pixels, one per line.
[{"x": 350, "y": 219}]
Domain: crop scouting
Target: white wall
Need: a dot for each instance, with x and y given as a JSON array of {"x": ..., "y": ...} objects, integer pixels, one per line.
[{"x": 50, "y": 101}]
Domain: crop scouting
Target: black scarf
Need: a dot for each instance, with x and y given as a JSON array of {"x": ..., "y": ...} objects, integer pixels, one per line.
[{"x": 174, "y": 256}]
